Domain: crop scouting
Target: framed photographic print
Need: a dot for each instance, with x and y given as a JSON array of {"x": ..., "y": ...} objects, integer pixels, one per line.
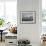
[{"x": 27, "y": 17}]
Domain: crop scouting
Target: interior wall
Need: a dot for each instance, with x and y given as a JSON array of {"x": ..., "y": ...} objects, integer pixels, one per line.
[{"x": 29, "y": 31}]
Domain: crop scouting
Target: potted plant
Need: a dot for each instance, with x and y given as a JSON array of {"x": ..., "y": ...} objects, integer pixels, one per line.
[{"x": 1, "y": 22}]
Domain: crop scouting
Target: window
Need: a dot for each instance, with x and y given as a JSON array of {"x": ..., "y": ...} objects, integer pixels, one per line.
[
  {"x": 1, "y": 9},
  {"x": 44, "y": 10},
  {"x": 8, "y": 10},
  {"x": 44, "y": 15}
]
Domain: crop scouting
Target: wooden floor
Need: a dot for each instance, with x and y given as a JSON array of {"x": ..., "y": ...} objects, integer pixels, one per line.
[{"x": 2, "y": 43}]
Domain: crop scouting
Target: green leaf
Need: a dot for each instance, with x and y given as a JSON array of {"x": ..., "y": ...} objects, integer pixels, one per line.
[{"x": 1, "y": 22}]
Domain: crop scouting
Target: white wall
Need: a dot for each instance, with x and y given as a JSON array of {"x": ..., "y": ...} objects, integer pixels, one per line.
[{"x": 29, "y": 31}]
